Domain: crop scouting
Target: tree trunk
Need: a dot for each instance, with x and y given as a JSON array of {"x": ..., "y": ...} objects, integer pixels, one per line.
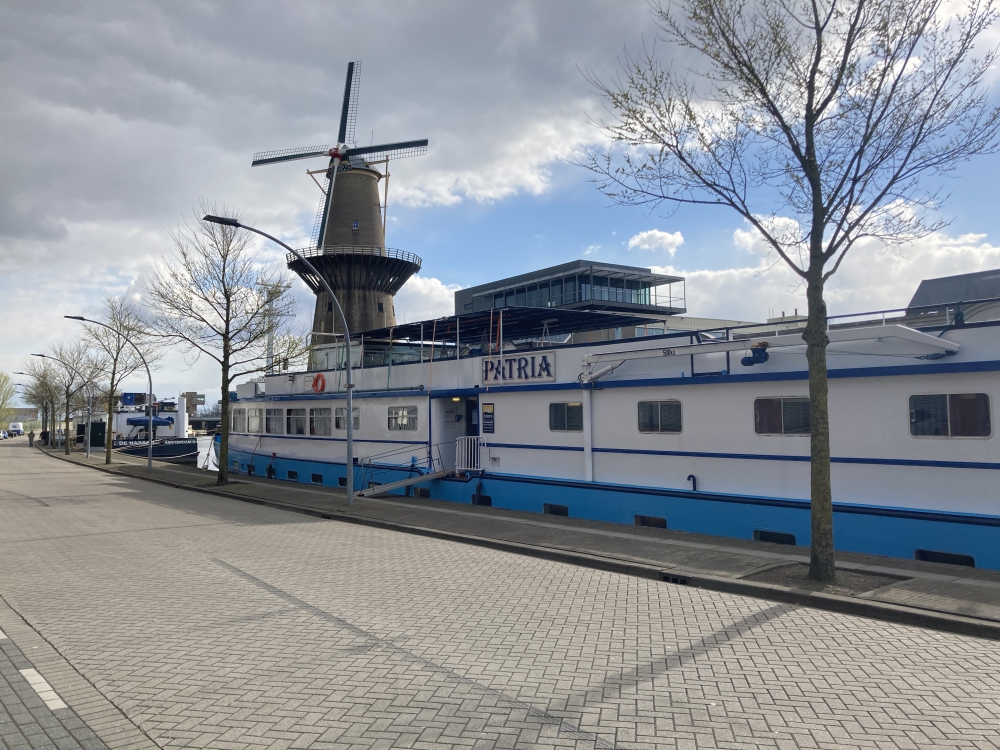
[
  {"x": 224, "y": 426},
  {"x": 821, "y": 556},
  {"x": 66, "y": 434},
  {"x": 108, "y": 437}
]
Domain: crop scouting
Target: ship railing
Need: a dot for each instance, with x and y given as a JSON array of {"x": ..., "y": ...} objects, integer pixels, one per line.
[
  {"x": 418, "y": 457},
  {"x": 372, "y": 250},
  {"x": 923, "y": 316},
  {"x": 469, "y": 451},
  {"x": 469, "y": 455}
]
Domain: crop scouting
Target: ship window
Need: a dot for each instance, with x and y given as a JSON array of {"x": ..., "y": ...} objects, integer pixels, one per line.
[
  {"x": 566, "y": 417},
  {"x": 295, "y": 422},
  {"x": 402, "y": 417},
  {"x": 340, "y": 418},
  {"x": 273, "y": 419},
  {"x": 319, "y": 421},
  {"x": 781, "y": 416},
  {"x": 239, "y": 420},
  {"x": 951, "y": 415},
  {"x": 255, "y": 420},
  {"x": 660, "y": 416}
]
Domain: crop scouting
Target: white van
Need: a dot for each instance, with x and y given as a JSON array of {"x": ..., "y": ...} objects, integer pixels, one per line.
[{"x": 16, "y": 428}]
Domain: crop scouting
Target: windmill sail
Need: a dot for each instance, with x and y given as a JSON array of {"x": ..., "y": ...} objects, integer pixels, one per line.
[
  {"x": 399, "y": 150},
  {"x": 289, "y": 154},
  {"x": 349, "y": 111}
]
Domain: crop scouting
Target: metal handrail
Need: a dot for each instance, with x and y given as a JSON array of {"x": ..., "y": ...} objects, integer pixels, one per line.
[
  {"x": 383, "y": 252},
  {"x": 794, "y": 326}
]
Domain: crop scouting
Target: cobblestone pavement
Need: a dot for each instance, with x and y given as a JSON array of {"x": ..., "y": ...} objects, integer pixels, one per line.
[
  {"x": 214, "y": 623},
  {"x": 32, "y": 717}
]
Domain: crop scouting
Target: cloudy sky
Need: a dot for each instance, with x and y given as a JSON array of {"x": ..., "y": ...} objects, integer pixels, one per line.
[{"x": 119, "y": 116}]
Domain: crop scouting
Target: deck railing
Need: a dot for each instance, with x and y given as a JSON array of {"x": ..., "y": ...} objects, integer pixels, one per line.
[
  {"x": 382, "y": 252},
  {"x": 468, "y": 453}
]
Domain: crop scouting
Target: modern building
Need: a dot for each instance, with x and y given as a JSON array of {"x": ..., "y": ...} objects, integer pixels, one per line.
[{"x": 581, "y": 285}]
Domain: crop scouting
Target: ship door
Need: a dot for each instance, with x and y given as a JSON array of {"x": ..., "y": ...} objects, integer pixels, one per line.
[{"x": 472, "y": 417}]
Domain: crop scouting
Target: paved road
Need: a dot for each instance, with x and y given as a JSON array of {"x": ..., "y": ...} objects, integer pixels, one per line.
[{"x": 173, "y": 619}]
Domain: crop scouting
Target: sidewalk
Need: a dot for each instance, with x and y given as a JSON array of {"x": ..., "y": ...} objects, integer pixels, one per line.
[{"x": 943, "y": 597}]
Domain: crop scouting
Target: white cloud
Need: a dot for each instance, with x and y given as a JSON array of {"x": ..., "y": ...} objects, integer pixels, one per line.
[
  {"x": 785, "y": 229},
  {"x": 591, "y": 249},
  {"x": 655, "y": 239},
  {"x": 424, "y": 298},
  {"x": 870, "y": 278}
]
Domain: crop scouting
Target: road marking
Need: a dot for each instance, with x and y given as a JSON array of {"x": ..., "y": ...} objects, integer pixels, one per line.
[
  {"x": 44, "y": 690},
  {"x": 2, "y": 636}
]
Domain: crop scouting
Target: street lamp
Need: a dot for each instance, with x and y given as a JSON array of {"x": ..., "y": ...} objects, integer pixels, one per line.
[
  {"x": 343, "y": 322},
  {"x": 90, "y": 400},
  {"x": 149, "y": 398}
]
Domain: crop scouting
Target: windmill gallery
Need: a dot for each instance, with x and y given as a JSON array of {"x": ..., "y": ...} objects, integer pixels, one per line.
[{"x": 581, "y": 390}]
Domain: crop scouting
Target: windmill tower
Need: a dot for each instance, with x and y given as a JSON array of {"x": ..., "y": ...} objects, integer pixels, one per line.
[{"x": 349, "y": 236}]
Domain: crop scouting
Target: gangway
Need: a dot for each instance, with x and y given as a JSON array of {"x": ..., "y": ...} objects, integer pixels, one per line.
[
  {"x": 468, "y": 452},
  {"x": 378, "y": 489}
]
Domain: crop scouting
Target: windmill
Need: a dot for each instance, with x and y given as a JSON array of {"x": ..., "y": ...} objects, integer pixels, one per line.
[{"x": 349, "y": 233}]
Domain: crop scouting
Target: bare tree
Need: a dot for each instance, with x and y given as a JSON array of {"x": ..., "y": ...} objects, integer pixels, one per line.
[
  {"x": 217, "y": 299},
  {"x": 118, "y": 358},
  {"x": 832, "y": 113},
  {"x": 42, "y": 391},
  {"x": 73, "y": 368},
  {"x": 7, "y": 395}
]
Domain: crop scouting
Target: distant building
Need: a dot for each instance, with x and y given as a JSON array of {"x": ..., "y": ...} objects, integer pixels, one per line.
[
  {"x": 969, "y": 297},
  {"x": 193, "y": 401},
  {"x": 23, "y": 414},
  {"x": 581, "y": 285},
  {"x": 588, "y": 285}
]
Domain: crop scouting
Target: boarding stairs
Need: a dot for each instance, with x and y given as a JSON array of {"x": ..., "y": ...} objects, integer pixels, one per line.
[{"x": 468, "y": 451}]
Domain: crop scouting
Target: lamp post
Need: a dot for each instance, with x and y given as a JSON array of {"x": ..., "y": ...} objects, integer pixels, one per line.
[
  {"x": 343, "y": 322},
  {"x": 90, "y": 401},
  {"x": 149, "y": 397}
]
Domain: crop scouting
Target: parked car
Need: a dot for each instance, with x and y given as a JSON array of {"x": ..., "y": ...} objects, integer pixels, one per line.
[{"x": 16, "y": 429}]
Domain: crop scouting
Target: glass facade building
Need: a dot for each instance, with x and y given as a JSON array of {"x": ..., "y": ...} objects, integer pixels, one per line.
[{"x": 581, "y": 285}]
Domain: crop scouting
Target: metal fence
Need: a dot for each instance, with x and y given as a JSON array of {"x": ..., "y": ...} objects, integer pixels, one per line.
[
  {"x": 468, "y": 453},
  {"x": 382, "y": 252}
]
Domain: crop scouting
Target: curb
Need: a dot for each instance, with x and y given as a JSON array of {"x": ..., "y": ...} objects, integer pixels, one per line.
[{"x": 895, "y": 613}]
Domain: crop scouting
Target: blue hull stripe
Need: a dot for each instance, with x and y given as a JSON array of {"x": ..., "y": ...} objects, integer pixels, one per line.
[
  {"x": 759, "y": 456},
  {"x": 716, "y": 497},
  {"x": 713, "y": 497}
]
